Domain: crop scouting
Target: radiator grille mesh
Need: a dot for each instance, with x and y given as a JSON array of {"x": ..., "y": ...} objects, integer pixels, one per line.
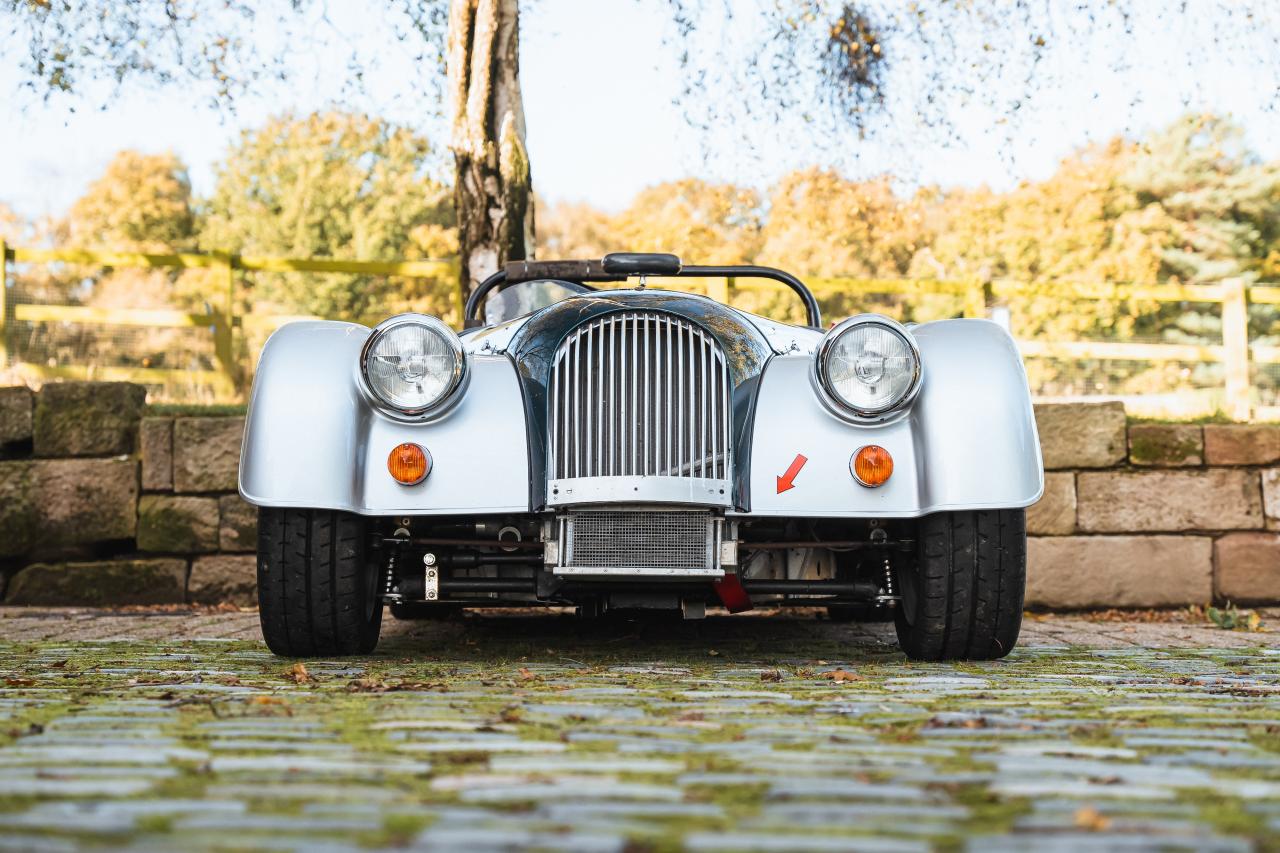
[
  {"x": 654, "y": 540},
  {"x": 640, "y": 394}
]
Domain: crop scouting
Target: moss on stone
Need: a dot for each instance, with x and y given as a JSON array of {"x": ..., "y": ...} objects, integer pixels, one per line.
[
  {"x": 186, "y": 410},
  {"x": 94, "y": 584},
  {"x": 1165, "y": 444},
  {"x": 19, "y": 517},
  {"x": 177, "y": 525},
  {"x": 88, "y": 418}
]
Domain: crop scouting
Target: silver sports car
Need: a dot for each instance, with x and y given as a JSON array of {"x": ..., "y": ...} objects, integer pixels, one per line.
[{"x": 640, "y": 448}]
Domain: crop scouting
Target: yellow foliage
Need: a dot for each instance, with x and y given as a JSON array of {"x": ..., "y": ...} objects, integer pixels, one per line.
[
  {"x": 826, "y": 226},
  {"x": 141, "y": 203}
]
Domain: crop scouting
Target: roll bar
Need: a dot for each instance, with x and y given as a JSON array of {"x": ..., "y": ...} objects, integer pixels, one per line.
[{"x": 620, "y": 266}]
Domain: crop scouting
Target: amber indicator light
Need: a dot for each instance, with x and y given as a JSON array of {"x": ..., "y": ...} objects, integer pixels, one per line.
[
  {"x": 871, "y": 465},
  {"x": 409, "y": 464}
]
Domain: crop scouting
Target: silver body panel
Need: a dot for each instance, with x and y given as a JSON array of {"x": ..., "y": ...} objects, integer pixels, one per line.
[
  {"x": 968, "y": 441},
  {"x": 313, "y": 439}
]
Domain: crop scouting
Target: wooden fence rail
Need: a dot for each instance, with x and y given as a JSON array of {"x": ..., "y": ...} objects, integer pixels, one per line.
[{"x": 1234, "y": 352}]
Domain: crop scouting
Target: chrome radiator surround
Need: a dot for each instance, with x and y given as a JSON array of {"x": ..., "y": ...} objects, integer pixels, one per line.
[
  {"x": 639, "y": 411},
  {"x": 639, "y": 542}
]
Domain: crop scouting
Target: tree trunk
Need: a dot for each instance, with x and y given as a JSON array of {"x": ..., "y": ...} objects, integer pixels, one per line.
[{"x": 492, "y": 188}]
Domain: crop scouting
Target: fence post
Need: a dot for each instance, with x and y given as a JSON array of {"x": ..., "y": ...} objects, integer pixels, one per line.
[
  {"x": 4, "y": 304},
  {"x": 718, "y": 289},
  {"x": 1235, "y": 348},
  {"x": 223, "y": 342},
  {"x": 975, "y": 300}
]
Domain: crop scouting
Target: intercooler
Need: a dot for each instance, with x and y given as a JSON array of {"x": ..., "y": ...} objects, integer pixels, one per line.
[
  {"x": 639, "y": 411},
  {"x": 639, "y": 542}
]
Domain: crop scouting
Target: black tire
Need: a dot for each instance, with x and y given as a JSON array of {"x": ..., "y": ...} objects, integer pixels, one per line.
[
  {"x": 317, "y": 594},
  {"x": 962, "y": 600},
  {"x": 413, "y": 611}
]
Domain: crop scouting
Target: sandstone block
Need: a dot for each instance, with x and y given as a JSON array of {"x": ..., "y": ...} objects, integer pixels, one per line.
[
  {"x": 1166, "y": 445},
  {"x": 1241, "y": 444},
  {"x": 221, "y": 578},
  {"x": 1247, "y": 567},
  {"x": 176, "y": 524},
  {"x": 19, "y": 519},
  {"x": 1271, "y": 494},
  {"x": 238, "y": 528},
  {"x": 1081, "y": 435},
  {"x": 1055, "y": 513},
  {"x": 1123, "y": 502},
  {"x": 101, "y": 583},
  {"x": 206, "y": 454},
  {"x": 156, "y": 442},
  {"x": 1075, "y": 572},
  {"x": 49, "y": 504},
  {"x": 88, "y": 418},
  {"x": 15, "y": 414}
]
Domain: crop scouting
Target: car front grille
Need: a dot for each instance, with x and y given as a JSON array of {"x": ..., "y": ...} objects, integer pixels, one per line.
[
  {"x": 639, "y": 542},
  {"x": 640, "y": 394}
]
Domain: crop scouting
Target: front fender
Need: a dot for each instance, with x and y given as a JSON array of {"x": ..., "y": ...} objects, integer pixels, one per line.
[
  {"x": 313, "y": 440},
  {"x": 968, "y": 442}
]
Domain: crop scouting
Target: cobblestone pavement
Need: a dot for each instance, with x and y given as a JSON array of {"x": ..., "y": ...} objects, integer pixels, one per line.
[{"x": 505, "y": 731}]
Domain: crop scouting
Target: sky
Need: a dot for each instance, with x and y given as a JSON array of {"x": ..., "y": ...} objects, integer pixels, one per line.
[{"x": 600, "y": 78}]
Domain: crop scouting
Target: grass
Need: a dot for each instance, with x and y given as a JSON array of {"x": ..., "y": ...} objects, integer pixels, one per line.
[{"x": 194, "y": 410}]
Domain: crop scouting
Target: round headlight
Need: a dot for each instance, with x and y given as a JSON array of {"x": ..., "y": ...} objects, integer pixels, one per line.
[
  {"x": 869, "y": 366},
  {"x": 412, "y": 363}
]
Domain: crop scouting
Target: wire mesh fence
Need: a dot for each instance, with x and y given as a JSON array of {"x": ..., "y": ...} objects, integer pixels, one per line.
[{"x": 1171, "y": 350}]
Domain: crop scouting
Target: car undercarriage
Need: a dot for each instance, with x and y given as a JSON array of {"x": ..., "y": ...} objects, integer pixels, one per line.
[{"x": 661, "y": 562}]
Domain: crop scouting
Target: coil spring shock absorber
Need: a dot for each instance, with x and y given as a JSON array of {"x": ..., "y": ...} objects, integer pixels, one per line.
[
  {"x": 390, "y": 579},
  {"x": 887, "y": 595},
  {"x": 890, "y": 595},
  {"x": 398, "y": 540}
]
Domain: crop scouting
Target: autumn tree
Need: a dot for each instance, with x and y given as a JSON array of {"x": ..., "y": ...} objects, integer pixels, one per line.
[
  {"x": 216, "y": 48},
  {"x": 334, "y": 185},
  {"x": 847, "y": 69},
  {"x": 827, "y": 225},
  {"x": 142, "y": 202}
]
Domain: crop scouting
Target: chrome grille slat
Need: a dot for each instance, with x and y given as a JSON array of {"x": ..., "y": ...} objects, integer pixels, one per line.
[{"x": 640, "y": 394}]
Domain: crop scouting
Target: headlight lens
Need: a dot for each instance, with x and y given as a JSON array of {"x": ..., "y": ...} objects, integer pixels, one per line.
[
  {"x": 868, "y": 365},
  {"x": 413, "y": 363}
]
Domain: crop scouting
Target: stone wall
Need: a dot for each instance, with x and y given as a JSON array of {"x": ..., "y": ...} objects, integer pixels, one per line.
[
  {"x": 102, "y": 503},
  {"x": 1153, "y": 515}
]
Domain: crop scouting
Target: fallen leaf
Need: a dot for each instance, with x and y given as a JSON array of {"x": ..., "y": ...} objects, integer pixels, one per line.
[
  {"x": 840, "y": 676},
  {"x": 267, "y": 700},
  {"x": 367, "y": 685},
  {"x": 771, "y": 675},
  {"x": 964, "y": 723},
  {"x": 298, "y": 672},
  {"x": 19, "y": 682},
  {"x": 713, "y": 653},
  {"x": 1091, "y": 819}
]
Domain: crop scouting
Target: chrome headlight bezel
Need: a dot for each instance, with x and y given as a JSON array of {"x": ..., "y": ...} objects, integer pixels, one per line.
[
  {"x": 835, "y": 402},
  {"x": 453, "y": 382}
]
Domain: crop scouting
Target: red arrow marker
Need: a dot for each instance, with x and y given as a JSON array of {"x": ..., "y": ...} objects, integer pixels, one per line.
[{"x": 788, "y": 480}]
